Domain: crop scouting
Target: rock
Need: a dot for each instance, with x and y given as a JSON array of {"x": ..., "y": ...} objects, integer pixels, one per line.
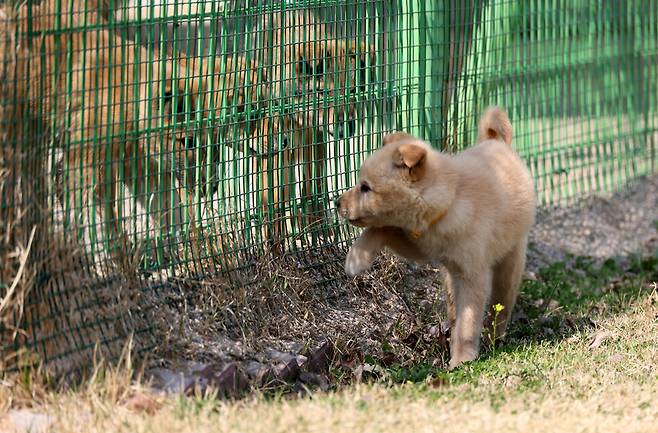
[
  {"x": 529, "y": 275},
  {"x": 367, "y": 371},
  {"x": 425, "y": 306},
  {"x": 260, "y": 374},
  {"x": 24, "y": 421},
  {"x": 278, "y": 356},
  {"x": 168, "y": 381},
  {"x": 320, "y": 359},
  {"x": 231, "y": 381},
  {"x": 287, "y": 371},
  {"x": 301, "y": 359},
  {"x": 141, "y": 402},
  {"x": 435, "y": 331},
  {"x": 318, "y": 380},
  {"x": 253, "y": 368},
  {"x": 228, "y": 380}
]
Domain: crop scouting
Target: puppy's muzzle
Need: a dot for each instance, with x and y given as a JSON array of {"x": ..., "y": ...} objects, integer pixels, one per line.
[
  {"x": 344, "y": 212},
  {"x": 213, "y": 186}
]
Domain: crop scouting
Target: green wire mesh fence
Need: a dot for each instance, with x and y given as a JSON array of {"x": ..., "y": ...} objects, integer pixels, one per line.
[{"x": 145, "y": 143}]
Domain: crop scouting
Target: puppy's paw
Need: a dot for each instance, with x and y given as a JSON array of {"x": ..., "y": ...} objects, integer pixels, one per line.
[
  {"x": 458, "y": 359},
  {"x": 454, "y": 363},
  {"x": 358, "y": 260}
]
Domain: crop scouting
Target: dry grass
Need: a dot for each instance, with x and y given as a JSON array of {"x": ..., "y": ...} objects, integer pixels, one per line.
[
  {"x": 45, "y": 283},
  {"x": 281, "y": 300},
  {"x": 566, "y": 385},
  {"x": 17, "y": 234}
]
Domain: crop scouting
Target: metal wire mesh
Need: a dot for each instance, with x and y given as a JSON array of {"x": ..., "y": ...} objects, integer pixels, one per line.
[{"x": 146, "y": 142}]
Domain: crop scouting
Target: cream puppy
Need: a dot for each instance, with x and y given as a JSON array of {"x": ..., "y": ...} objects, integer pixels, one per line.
[{"x": 471, "y": 212}]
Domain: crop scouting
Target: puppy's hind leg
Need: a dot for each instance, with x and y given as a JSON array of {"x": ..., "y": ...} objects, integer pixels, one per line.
[
  {"x": 505, "y": 288},
  {"x": 450, "y": 288},
  {"x": 471, "y": 290}
]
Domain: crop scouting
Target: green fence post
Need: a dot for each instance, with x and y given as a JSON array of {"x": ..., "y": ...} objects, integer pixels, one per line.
[{"x": 421, "y": 42}]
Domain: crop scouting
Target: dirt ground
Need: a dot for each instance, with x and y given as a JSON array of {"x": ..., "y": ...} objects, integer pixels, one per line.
[{"x": 600, "y": 227}]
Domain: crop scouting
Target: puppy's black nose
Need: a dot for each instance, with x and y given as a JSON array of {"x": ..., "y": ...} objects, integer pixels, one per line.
[
  {"x": 338, "y": 202},
  {"x": 213, "y": 188},
  {"x": 346, "y": 129},
  {"x": 339, "y": 131},
  {"x": 190, "y": 142}
]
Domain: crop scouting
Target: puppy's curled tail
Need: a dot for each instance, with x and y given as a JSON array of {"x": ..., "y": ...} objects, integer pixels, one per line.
[{"x": 495, "y": 125}]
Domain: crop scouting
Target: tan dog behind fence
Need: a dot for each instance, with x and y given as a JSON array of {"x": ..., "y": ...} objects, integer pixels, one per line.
[
  {"x": 307, "y": 68},
  {"x": 472, "y": 212},
  {"x": 128, "y": 119},
  {"x": 319, "y": 75}
]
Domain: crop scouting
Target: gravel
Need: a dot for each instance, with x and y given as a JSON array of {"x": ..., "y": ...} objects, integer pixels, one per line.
[{"x": 599, "y": 227}]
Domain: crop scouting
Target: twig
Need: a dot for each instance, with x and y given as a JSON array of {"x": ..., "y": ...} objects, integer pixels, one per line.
[{"x": 19, "y": 274}]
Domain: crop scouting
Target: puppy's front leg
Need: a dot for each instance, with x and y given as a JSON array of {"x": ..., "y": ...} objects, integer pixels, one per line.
[
  {"x": 471, "y": 290},
  {"x": 372, "y": 241},
  {"x": 363, "y": 251}
]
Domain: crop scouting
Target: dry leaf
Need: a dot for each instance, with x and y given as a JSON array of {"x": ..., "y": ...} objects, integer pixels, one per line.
[
  {"x": 143, "y": 403},
  {"x": 599, "y": 338},
  {"x": 438, "y": 382},
  {"x": 512, "y": 381},
  {"x": 617, "y": 357}
]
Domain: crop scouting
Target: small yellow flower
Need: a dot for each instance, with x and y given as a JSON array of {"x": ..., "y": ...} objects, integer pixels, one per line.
[{"x": 498, "y": 308}]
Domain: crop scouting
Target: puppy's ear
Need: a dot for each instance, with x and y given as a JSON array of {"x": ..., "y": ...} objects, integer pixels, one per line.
[
  {"x": 396, "y": 136},
  {"x": 412, "y": 157}
]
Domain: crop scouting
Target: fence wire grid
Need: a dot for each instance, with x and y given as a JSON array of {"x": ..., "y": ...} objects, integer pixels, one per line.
[{"x": 148, "y": 142}]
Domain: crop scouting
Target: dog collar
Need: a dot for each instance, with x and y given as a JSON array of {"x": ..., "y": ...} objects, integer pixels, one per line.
[{"x": 415, "y": 234}]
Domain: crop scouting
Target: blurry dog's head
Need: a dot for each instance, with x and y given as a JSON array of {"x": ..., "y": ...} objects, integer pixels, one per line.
[
  {"x": 403, "y": 184},
  {"x": 203, "y": 108}
]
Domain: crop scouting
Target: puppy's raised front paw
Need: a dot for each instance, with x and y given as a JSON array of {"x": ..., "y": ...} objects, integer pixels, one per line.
[{"x": 357, "y": 261}]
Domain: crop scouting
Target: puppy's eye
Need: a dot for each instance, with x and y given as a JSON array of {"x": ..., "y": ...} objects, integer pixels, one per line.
[
  {"x": 190, "y": 142},
  {"x": 176, "y": 108},
  {"x": 167, "y": 97},
  {"x": 319, "y": 68},
  {"x": 308, "y": 68},
  {"x": 305, "y": 67},
  {"x": 365, "y": 188}
]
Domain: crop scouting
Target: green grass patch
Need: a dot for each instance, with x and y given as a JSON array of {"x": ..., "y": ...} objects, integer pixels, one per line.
[{"x": 567, "y": 300}]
